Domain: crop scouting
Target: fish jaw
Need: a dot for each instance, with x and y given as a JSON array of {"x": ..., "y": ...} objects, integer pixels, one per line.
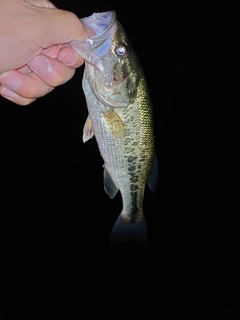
[{"x": 101, "y": 27}]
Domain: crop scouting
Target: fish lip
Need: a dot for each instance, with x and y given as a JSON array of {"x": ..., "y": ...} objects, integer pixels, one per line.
[
  {"x": 93, "y": 24},
  {"x": 99, "y": 14}
]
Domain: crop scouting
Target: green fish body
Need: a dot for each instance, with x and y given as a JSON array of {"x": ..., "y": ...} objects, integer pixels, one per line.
[{"x": 120, "y": 118}]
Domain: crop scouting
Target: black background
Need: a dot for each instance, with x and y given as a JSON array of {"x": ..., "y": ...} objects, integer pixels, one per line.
[
  {"x": 52, "y": 181},
  {"x": 55, "y": 212}
]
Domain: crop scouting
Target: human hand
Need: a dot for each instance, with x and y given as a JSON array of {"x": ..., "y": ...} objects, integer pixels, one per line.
[{"x": 34, "y": 50}]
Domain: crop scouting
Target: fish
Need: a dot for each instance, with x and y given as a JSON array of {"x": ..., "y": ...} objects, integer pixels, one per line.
[{"x": 120, "y": 117}]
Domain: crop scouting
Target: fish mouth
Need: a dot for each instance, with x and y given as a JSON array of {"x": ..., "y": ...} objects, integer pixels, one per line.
[
  {"x": 100, "y": 22},
  {"x": 101, "y": 27}
]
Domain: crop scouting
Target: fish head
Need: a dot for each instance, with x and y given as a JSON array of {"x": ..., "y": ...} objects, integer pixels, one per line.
[{"x": 111, "y": 67}]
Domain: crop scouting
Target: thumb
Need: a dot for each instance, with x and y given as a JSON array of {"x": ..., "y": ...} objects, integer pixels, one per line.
[
  {"x": 58, "y": 26},
  {"x": 41, "y": 3}
]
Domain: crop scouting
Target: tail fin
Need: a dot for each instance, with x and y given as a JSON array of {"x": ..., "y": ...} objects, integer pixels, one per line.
[{"x": 124, "y": 231}]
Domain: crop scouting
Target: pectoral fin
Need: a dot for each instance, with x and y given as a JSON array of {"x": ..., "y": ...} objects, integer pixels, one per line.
[
  {"x": 153, "y": 177},
  {"x": 109, "y": 185},
  {"x": 115, "y": 124},
  {"x": 87, "y": 130}
]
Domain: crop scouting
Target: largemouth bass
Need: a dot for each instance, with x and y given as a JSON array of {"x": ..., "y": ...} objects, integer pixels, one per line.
[{"x": 120, "y": 117}]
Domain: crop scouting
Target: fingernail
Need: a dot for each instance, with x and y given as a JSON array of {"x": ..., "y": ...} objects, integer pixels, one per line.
[
  {"x": 8, "y": 94},
  {"x": 68, "y": 59},
  {"x": 38, "y": 65},
  {"x": 10, "y": 82}
]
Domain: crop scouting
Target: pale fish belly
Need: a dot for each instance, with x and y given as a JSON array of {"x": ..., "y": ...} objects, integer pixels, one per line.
[{"x": 126, "y": 143}]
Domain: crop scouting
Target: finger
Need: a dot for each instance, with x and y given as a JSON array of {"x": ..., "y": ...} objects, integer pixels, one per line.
[
  {"x": 26, "y": 85},
  {"x": 51, "y": 71},
  {"x": 70, "y": 57},
  {"x": 12, "y": 96},
  {"x": 75, "y": 30},
  {"x": 52, "y": 51},
  {"x": 64, "y": 54},
  {"x": 41, "y": 3}
]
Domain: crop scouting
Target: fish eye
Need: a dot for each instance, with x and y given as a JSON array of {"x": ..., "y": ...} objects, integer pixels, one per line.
[{"x": 121, "y": 50}]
